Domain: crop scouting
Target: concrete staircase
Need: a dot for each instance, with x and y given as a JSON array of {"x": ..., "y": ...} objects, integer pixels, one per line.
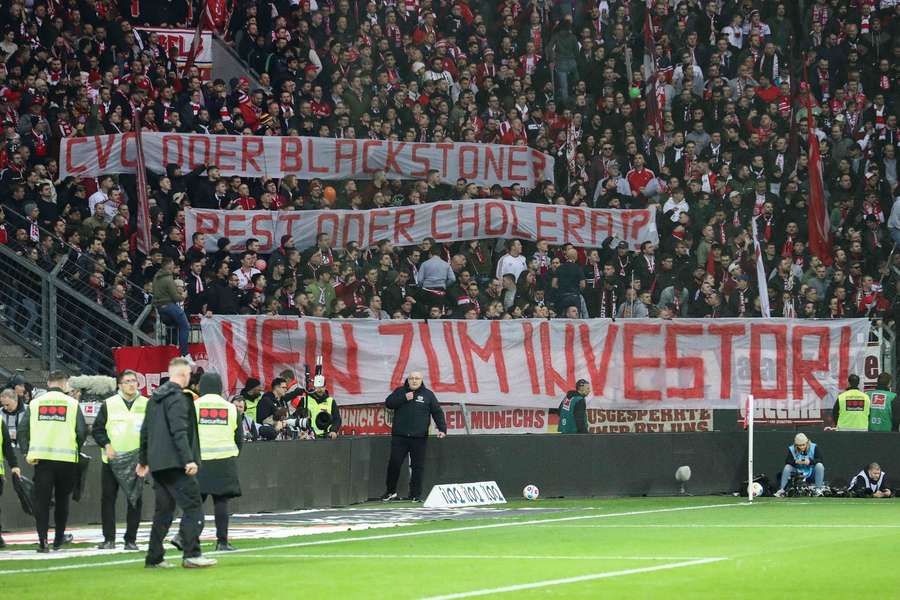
[{"x": 14, "y": 359}]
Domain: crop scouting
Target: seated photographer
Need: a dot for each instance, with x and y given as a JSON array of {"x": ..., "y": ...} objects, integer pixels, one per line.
[
  {"x": 273, "y": 412},
  {"x": 803, "y": 459},
  {"x": 871, "y": 482},
  {"x": 322, "y": 412},
  {"x": 248, "y": 427}
]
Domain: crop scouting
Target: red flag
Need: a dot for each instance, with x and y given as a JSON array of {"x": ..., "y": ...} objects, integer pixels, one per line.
[
  {"x": 196, "y": 44},
  {"x": 819, "y": 222},
  {"x": 143, "y": 199},
  {"x": 215, "y": 15}
]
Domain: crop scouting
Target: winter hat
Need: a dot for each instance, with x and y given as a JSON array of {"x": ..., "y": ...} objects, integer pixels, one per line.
[
  {"x": 210, "y": 383},
  {"x": 250, "y": 384}
]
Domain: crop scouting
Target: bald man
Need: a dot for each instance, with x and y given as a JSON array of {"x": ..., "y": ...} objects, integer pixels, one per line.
[{"x": 414, "y": 407}]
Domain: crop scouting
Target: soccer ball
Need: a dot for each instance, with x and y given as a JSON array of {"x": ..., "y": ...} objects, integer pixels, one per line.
[
  {"x": 531, "y": 492},
  {"x": 757, "y": 489}
]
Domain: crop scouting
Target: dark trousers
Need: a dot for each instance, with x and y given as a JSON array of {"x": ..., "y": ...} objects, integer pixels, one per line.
[
  {"x": 220, "y": 511},
  {"x": 53, "y": 479},
  {"x": 173, "y": 488},
  {"x": 400, "y": 447},
  {"x": 110, "y": 489}
]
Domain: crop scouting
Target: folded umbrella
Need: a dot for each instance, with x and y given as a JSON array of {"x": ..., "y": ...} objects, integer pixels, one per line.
[
  {"x": 84, "y": 461},
  {"x": 24, "y": 488},
  {"x": 123, "y": 468}
]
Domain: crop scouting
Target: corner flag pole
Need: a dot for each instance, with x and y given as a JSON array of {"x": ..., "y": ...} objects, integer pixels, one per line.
[{"x": 749, "y": 425}]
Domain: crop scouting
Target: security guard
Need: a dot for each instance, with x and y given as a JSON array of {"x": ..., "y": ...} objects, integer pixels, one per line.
[
  {"x": 7, "y": 454},
  {"x": 51, "y": 436},
  {"x": 881, "y": 412},
  {"x": 852, "y": 407},
  {"x": 322, "y": 411},
  {"x": 220, "y": 443},
  {"x": 117, "y": 429},
  {"x": 572, "y": 413},
  {"x": 252, "y": 393}
]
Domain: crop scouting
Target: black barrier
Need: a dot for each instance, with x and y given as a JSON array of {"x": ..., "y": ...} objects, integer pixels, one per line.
[{"x": 280, "y": 476}]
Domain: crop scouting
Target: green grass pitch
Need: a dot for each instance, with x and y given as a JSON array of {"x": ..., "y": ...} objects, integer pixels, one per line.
[{"x": 681, "y": 548}]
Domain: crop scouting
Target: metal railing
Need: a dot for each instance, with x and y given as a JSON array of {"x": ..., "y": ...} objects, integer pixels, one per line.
[{"x": 68, "y": 328}]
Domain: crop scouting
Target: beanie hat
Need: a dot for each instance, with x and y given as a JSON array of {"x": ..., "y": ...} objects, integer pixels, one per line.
[{"x": 210, "y": 383}]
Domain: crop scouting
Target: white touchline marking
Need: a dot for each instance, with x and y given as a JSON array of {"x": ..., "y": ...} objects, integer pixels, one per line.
[
  {"x": 548, "y": 582},
  {"x": 386, "y": 536},
  {"x": 468, "y": 557},
  {"x": 727, "y": 526}
]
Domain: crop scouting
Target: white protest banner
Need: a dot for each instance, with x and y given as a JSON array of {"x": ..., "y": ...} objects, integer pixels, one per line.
[
  {"x": 649, "y": 421},
  {"x": 182, "y": 39},
  {"x": 452, "y": 495},
  {"x": 408, "y": 225},
  {"x": 306, "y": 157},
  {"x": 646, "y": 364}
]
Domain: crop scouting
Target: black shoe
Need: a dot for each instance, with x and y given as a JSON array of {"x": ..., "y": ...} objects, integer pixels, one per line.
[
  {"x": 412, "y": 499},
  {"x": 389, "y": 496},
  {"x": 43, "y": 548},
  {"x": 106, "y": 545},
  {"x": 131, "y": 547},
  {"x": 66, "y": 539},
  {"x": 224, "y": 547},
  {"x": 176, "y": 541},
  {"x": 2, "y": 542}
]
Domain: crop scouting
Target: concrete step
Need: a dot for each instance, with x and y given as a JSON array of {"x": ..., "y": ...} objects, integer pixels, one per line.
[{"x": 9, "y": 350}]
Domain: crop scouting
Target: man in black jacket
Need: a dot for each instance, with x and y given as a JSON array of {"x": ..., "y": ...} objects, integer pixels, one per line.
[
  {"x": 8, "y": 455},
  {"x": 170, "y": 449},
  {"x": 414, "y": 407}
]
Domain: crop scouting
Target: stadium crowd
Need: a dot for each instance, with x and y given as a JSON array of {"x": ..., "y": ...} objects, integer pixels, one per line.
[{"x": 734, "y": 81}]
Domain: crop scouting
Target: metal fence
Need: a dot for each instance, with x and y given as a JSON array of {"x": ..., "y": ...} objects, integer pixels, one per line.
[{"x": 61, "y": 320}]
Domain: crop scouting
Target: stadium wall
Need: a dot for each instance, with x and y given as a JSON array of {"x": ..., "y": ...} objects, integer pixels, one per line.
[{"x": 280, "y": 476}]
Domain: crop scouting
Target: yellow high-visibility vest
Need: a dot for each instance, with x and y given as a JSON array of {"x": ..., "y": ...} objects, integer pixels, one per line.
[
  {"x": 123, "y": 426},
  {"x": 217, "y": 422},
  {"x": 52, "y": 419},
  {"x": 854, "y": 407}
]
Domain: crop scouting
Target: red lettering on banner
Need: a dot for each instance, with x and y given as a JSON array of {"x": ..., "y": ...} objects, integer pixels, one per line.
[
  {"x": 123, "y": 156},
  {"x": 462, "y": 220},
  {"x": 251, "y": 149},
  {"x": 601, "y": 223},
  {"x": 222, "y": 152},
  {"x": 445, "y": 149},
  {"x": 291, "y": 158},
  {"x": 598, "y": 372},
  {"x": 493, "y": 346},
  {"x": 726, "y": 333},
  {"x": 350, "y": 219},
  {"x": 434, "y": 365},
  {"x": 240, "y": 369},
  {"x": 272, "y": 358},
  {"x": 202, "y": 218},
  {"x": 70, "y": 145},
  {"x": 573, "y": 221},
  {"x": 844, "y": 355},
  {"x": 199, "y": 148},
  {"x": 693, "y": 363},
  {"x": 552, "y": 377},
  {"x": 287, "y": 221},
  {"x": 495, "y": 162},
  {"x": 261, "y": 227},
  {"x": 516, "y": 232},
  {"x": 464, "y": 171},
  {"x": 436, "y": 209},
  {"x": 375, "y": 228},
  {"x": 233, "y": 219},
  {"x": 390, "y": 161},
  {"x": 512, "y": 163},
  {"x": 540, "y": 223},
  {"x": 779, "y": 332},
  {"x": 348, "y": 376},
  {"x": 633, "y": 363},
  {"x": 366, "y": 168},
  {"x": 104, "y": 152},
  {"x": 528, "y": 331},
  {"x": 406, "y": 331},
  {"x": 633, "y": 222},
  {"x": 538, "y": 165},
  {"x": 489, "y": 229},
  {"x": 341, "y": 155},
  {"x": 311, "y": 157},
  {"x": 324, "y": 219},
  {"x": 167, "y": 154},
  {"x": 420, "y": 160},
  {"x": 404, "y": 218},
  {"x": 312, "y": 342},
  {"x": 805, "y": 369}
]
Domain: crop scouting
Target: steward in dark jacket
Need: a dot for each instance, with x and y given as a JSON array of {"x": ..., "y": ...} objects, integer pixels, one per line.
[{"x": 414, "y": 407}]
